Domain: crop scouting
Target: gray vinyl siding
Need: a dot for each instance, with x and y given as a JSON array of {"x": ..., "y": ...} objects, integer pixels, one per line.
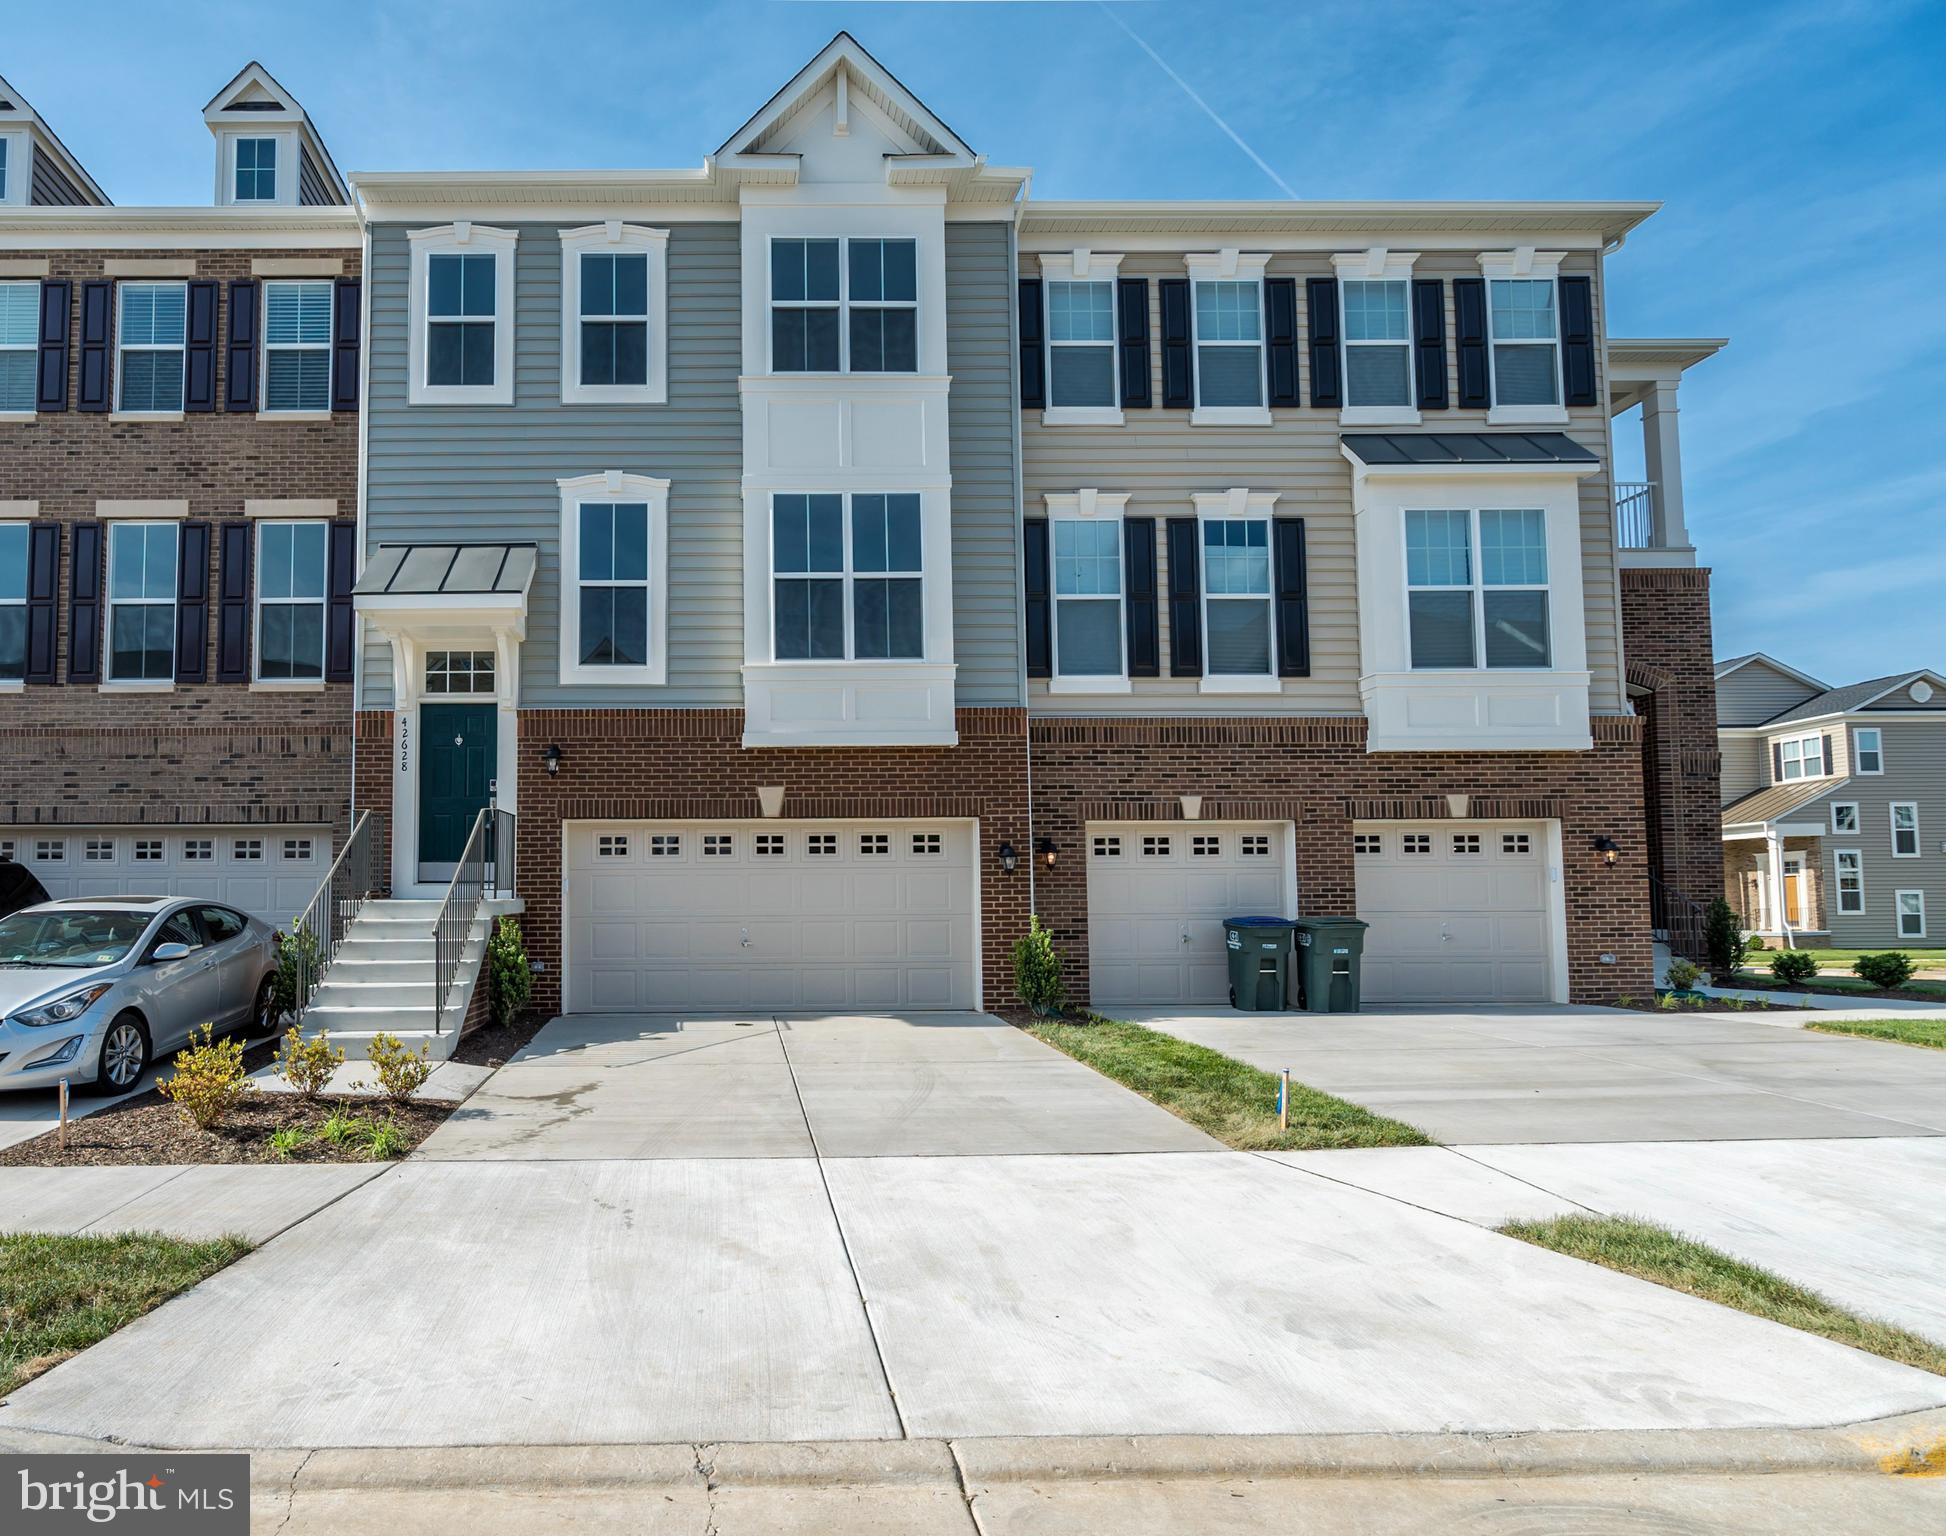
[
  {"x": 1746, "y": 766},
  {"x": 979, "y": 355},
  {"x": 1915, "y": 770},
  {"x": 486, "y": 473},
  {"x": 51, "y": 188},
  {"x": 1757, "y": 692},
  {"x": 1159, "y": 459},
  {"x": 312, "y": 189}
]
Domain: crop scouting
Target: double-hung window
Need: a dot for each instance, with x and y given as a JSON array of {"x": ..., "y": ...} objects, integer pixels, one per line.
[
  {"x": 844, "y": 306},
  {"x": 297, "y": 346},
  {"x": 5, "y": 169},
  {"x": 20, "y": 334},
  {"x": 847, "y": 577},
  {"x": 290, "y": 602},
  {"x": 1867, "y": 750},
  {"x": 614, "y": 318},
  {"x": 1081, "y": 345},
  {"x": 1802, "y": 757},
  {"x": 1465, "y": 613},
  {"x": 884, "y": 306},
  {"x": 1850, "y": 864},
  {"x": 13, "y": 601},
  {"x": 1088, "y": 629},
  {"x": 1236, "y": 597},
  {"x": 151, "y": 317},
  {"x": 1905, "y": 829},
  {"x": 462, "y": 315},
  {"x": 1378, "y": 343},
  {"x": 1523, "y": 325},
  {"x": 1912, "y": 914},
  {"x": 1229, "y": 334},
  {"x": 614, "y": 556},
  {"x": 614, "y": 315},
  {"x": 141, "y": 602},
  {"x": 256, "y": 170}
]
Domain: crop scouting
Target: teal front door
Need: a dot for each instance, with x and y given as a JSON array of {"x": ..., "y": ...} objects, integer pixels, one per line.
[{"x": 457, "y": 745}]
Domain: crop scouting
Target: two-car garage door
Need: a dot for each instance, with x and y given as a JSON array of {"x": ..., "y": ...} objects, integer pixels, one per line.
[{"x": 729, "y": 915}]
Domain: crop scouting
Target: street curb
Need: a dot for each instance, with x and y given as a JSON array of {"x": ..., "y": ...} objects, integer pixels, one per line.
[{"x": 1908, "y": 1445}]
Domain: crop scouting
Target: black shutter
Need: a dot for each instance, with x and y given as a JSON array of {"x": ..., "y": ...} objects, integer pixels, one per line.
[
  {"x": 345, "y": 326},
  {"x": 1185, "y": 600},
  {"x": 96, "y": 388},
  {"x": 84, "y": 603},
  {"x": 1828, "y": 768},
  {"x": 1178, "y": 393},
  {"x": 1293, "y": 605},
  {"x": 1138, "y": 581},
  {"x": 1777, "y": 762},
  {"x": 233, "y": 604},
  {"x": 1033, "y": 346},
  {"x": 51, "y": 391},
  {"x": 1429, "y": 342},
  {"x": 1470, "y": 324},
  {"x": 1321, "y": 300},
  {"x": 1280, "y": 306},
  {"x": 192, "y": 598},
  {"x": 43, "y": 587},
  {"x": 240, "y": 361},
  {"x": 199, "y": 349},
  {"x": 1578, "y": 339},
  {"x": 1132, "y": 333},
  {"x": 339, "y": 629},
  {"x": 1040, "y": 608}
]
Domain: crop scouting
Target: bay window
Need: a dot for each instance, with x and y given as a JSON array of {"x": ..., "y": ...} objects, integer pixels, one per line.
[
  {"x": 1465, "y": 613},
  {"x": 844, "y": 306},
  {"x": 291, "y": 563},
  {"x": 1088, "y": 628},
  {"x": 847, "y": 577},
  {"x": 142, "y": 602},
  {"x": 1236, "y": 596}
]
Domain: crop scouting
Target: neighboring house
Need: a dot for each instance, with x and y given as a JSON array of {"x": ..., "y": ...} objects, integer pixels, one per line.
[
  {"x": 1834, "y": 804},
  {"x": 178, "y": 483},
  {"x": 827, "y": 554}
]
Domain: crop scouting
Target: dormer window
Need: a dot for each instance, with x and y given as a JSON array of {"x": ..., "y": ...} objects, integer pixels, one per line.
[{"x": 256, "y": 170}]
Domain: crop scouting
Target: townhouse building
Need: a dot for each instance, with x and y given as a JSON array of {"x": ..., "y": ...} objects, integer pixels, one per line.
[{"x": 178, "y": 492}]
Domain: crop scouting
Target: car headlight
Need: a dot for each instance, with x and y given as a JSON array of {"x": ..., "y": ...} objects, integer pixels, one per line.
[{"x": 62, "y": 1010}]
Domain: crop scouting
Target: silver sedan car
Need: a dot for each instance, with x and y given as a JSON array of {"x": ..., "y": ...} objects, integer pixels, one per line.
[{"x": 94, "y": 988}]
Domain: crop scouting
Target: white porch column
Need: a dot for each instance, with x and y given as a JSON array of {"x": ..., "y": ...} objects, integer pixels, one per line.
[
  {"x": 1662, "y": 457},
  {"x": 1774, "y": 882}
]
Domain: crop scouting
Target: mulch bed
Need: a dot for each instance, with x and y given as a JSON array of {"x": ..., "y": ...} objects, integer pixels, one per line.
[{"x": 494, "y": 1045}]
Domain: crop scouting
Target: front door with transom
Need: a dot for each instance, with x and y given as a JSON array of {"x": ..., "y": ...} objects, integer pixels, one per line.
[
  {"x": 1797, "y": 892},
  {"x": 458, "y": 744}
]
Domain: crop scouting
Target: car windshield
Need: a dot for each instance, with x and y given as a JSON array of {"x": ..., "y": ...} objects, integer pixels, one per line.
[{"x": 75, "y": 938}]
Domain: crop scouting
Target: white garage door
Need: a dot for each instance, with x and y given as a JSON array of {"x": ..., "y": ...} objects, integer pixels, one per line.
[
  {"x": 1157, "y": 897},
  {"x": 269, "y": 872},
  {"x": 1458, "y": 912},
  {"x": 820, "y": 915}
]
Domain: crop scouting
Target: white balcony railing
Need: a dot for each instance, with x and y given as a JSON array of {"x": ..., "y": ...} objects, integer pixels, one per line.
[{"x": 1635, "y": 514}]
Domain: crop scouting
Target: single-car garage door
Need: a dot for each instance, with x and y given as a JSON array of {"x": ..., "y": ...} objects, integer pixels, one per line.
[
  {"x": 824, "y": 915},
  {"x": 1458, "y": 912},
  {"x": 1157, "y": 897},
  {"x": 269, "y": 872}
]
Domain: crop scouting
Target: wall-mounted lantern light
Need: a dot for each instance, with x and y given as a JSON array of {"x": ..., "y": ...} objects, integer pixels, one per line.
[
  {"x": 1009, "y": 860},
  {"x": 551, "y": 759},
  {"x": 1609, "y": 849},
  {"x": 1046, "y": 852}
]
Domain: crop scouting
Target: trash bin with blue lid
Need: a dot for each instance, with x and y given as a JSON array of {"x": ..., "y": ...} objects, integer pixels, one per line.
[
  {"x": 1329, "y": 955},
  {"x": 1260, "y": 962}
]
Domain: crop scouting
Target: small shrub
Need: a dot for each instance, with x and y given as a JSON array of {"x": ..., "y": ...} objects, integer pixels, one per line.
[
  {"x": 307, "y": 1065},
  {"x": 1892, "y": 969},
  {"x": 341, "y": 1129},
  {"x": 1683, "y": 974},
  {"x": 1037, "y": 971},
  {"x": 1734, "y": 1004},
  {"x": 1723, "y": 936},
  {"x": 385, "y": 1140},
  {"x": 1625, "y": 1000},
  {"x": 286, "y": 1139},
  {"x": 510, "y": 979},
  {"x": 297, "y": 958},
  {"x": 1755, "y": 943},
  {"x": 401, "y": 1072},
  {"x": 209, "y": 1080},
  {"x": 1666, "y": 1001},
  {"x": 1793, "y": 967}
]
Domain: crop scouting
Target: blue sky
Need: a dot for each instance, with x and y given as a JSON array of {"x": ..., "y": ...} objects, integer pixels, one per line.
[{"x": 1796, "y": 146}]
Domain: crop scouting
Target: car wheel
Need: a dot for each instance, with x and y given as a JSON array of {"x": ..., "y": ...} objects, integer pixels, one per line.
[
  {"x": 124, "y": 1055},
  {"x": 260, "y": 1022}
]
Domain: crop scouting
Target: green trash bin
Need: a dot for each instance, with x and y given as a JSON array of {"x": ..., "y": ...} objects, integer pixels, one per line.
[
  {"x": 1260, "y": 962},
  {"x": 1329, "y": 950}
]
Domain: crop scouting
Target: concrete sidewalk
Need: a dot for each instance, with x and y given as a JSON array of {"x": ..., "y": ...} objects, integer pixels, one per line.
[{"x": 252, "y": 1200}]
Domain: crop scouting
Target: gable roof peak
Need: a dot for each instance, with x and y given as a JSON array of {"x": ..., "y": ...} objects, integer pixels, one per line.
[
  {"x": 17, "y": 112},
  {"x": 847, "y": 61}
]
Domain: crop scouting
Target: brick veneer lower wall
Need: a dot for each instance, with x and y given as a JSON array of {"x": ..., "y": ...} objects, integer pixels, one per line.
[{"x": 1317, "y": 774}]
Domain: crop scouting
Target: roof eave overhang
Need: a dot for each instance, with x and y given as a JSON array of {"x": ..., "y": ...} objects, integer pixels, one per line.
[
  {"x": 1578, "y": 224},
  {"x": 111, "y": 227}
]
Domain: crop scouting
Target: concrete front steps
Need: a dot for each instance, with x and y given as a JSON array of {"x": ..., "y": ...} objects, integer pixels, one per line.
[{"x": 382, "y": 980}]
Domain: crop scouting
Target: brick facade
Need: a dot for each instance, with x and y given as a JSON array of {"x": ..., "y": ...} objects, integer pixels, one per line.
[{"x": 196, "y": 753}]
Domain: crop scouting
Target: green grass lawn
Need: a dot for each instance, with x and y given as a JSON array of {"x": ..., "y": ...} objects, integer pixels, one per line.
[
  {"x": 1841, "y": 959},
  {"x": 1926, "y": 1032},
  {"x": 1654, "y": 1253},
  {"x": 1232, "y": 1100},
  {"x": 58, "y": 1295},
  {"x": 1838, "y": 979}
]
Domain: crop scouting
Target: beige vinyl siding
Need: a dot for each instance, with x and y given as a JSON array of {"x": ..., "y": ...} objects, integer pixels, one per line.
[
  {"x": 1915, "y": 770},
  {"x": 1160, "y": 460},
  {"x": 1832, "y": 730},
  {"x": 1756, "y": 692},
  {"x": 485, "y": 473},
  {"x": 1746, "y": 766}
]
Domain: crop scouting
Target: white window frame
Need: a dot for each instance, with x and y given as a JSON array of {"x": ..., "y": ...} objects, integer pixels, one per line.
[
  {"x": 19, "y": 684},
  {"x": 1478, "y": 588},
  {"x": 843, "y": 304},
  {"x": 1842, "y": 831},
  {"x": 1899, "y": 914},
  {"x": 289, "y": 172},
  {"x": 1815, "y": 742},
  {"x": 1083, "y": 267},
  {"x": 1848, "y": 863},
  {"x": 301, "y": 413},
  {"x": 463, "y": 239},
  {"x": 110, "y": 603},
  {"x": 614, "y": 485},
  {"x": 614, "y": 238},
  {"x": 31, "y": 348},
  {"x": 1859, "y": 749},
  {"x": 1238, "y": 505},
  {"x": 181, "y": 349},
  {"x": 1087, "y": 506},
  {"x": 15, "y": 150},
  {"x": 1377, "y": 266},
  {"x": 1229, "y": 266},
  {"x": 850, "y": 575},
  {"x": 1525, "y": 264},
  {"x": 1892, "y": 818},
  {"x": 277, "y": 167},
  {"x": 258, "y": 602}
]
